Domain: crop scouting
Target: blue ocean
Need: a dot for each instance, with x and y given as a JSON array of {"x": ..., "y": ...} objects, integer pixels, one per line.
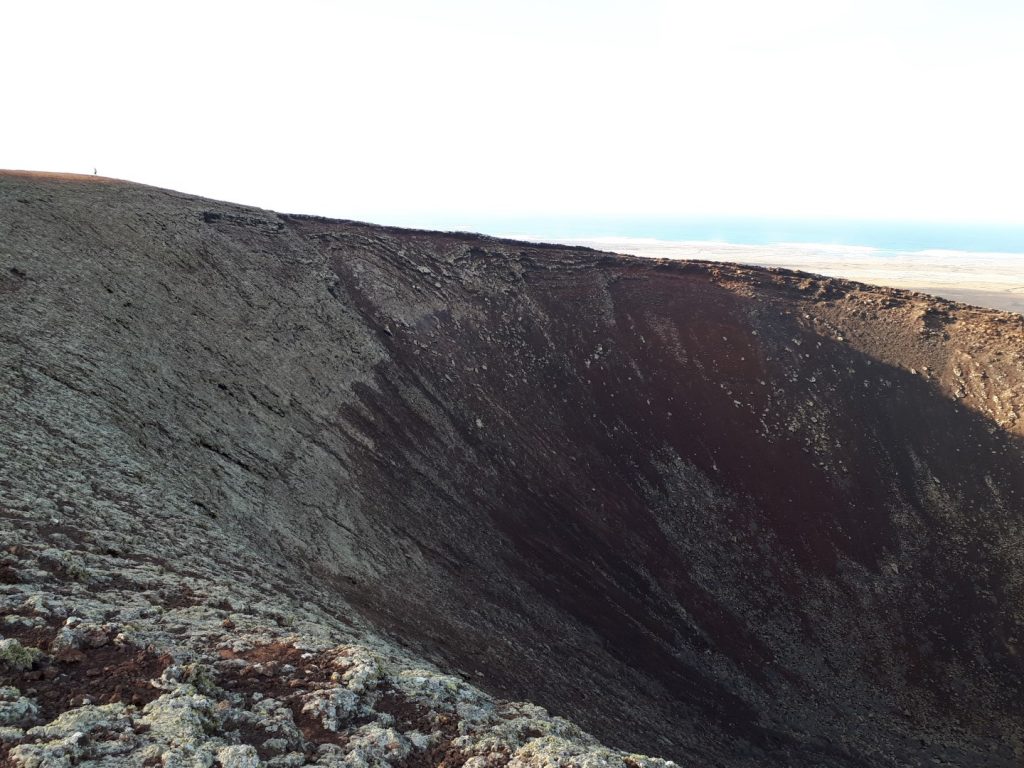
[{"x": 883, "y": 235}]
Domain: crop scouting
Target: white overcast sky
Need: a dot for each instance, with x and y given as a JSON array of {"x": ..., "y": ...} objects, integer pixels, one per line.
[{"x": 392, "y": 108}]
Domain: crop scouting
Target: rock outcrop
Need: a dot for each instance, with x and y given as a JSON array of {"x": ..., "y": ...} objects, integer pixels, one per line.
[{"x": 283, "y": 490}]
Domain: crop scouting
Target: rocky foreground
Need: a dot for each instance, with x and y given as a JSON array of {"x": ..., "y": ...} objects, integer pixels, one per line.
[{"x": 281, "y": 490}]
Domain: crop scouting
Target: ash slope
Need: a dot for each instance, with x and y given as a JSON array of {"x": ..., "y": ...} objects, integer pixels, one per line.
[{"x": 730, "y": 516}]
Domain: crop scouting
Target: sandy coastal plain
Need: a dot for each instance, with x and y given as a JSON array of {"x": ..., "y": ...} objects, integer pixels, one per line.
[{"x": 994, "y": 280}]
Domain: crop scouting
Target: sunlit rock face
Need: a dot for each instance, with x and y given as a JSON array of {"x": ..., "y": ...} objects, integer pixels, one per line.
[{"x": 728, "y": 516}]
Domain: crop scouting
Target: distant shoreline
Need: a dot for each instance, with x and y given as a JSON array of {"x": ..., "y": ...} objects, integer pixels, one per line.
[
  {"x": 900, "y": 236},
  {"x": 994, "y": 280}
]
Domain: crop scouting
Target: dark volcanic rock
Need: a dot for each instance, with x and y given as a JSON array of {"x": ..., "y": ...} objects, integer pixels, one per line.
[{"x": 730, "y": 516}]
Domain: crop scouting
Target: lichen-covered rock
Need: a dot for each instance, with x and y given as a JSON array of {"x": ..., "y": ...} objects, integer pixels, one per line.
[
  {"x": 65, "y": 640},
  {"x": 16, "y": 657},
  {"x": 512, "y": 726},
  {"x": 238, "y": 756},
  {"x": 555, "y": 752},
  {"x": 334, "y": 706},
  {"x": 188, "y": 756},
  {"x": 278, "y": 721},
  {"x": 290, "y": 760},
  {"x": 362, "y": 669},
  {"x": 16, "y": 708},
  {"x": 10, "y": 734},
  {"x": 107, "y": 718},
  {"x": 445, "y": 693},
  {"x": 58, "y": 753},
  {"x": 372, "y": 746},
  {"x": 16, "y": 622},
  {"x": 84, "y": 733},
  {"x": 181, "y": 717}
]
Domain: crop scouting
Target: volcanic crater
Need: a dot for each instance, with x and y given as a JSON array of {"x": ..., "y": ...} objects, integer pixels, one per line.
[{"x": 722, "y": 515}]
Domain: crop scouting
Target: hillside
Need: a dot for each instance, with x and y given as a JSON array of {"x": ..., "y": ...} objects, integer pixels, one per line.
[{"x": 348, "y": 493}]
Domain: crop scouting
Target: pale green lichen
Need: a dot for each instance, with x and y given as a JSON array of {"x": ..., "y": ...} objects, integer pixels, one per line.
[
  {"x": 107, "y": 717},
  {"x": 274, "y": 719},
  {"x": 555, "y": 752},
  {"x": 374, "y": 747},
  {"x": 202, "y": 678},
  {"x": 180, "y": 717},
  {"x": 88, "y": 732},
  {"x": 187, "y": 756},
  {"x": 514, "y": 725},
  {"x": 10, "y": 734},
  {"x": 65, "y": 640},
  {"x": 334, "y": 706},
  {"x": 15, "y": 708},
  {"x": 238, "y": 756},
  {"x": 364, "y": 670},
  {"x": 446, "y": 693},
  {"x": 62, "y": 753},
  {"x": 17, "y": 657}
]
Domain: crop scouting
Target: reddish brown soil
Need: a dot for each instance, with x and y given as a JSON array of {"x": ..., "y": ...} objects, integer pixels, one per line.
[
  {"x": 265, "y": 675},
  {"x": 107, "y": 674},
  {"x": 104, "y": 675}
]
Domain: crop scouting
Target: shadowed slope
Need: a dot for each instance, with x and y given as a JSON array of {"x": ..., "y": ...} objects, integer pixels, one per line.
[{"x": 731, "y": 516}]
